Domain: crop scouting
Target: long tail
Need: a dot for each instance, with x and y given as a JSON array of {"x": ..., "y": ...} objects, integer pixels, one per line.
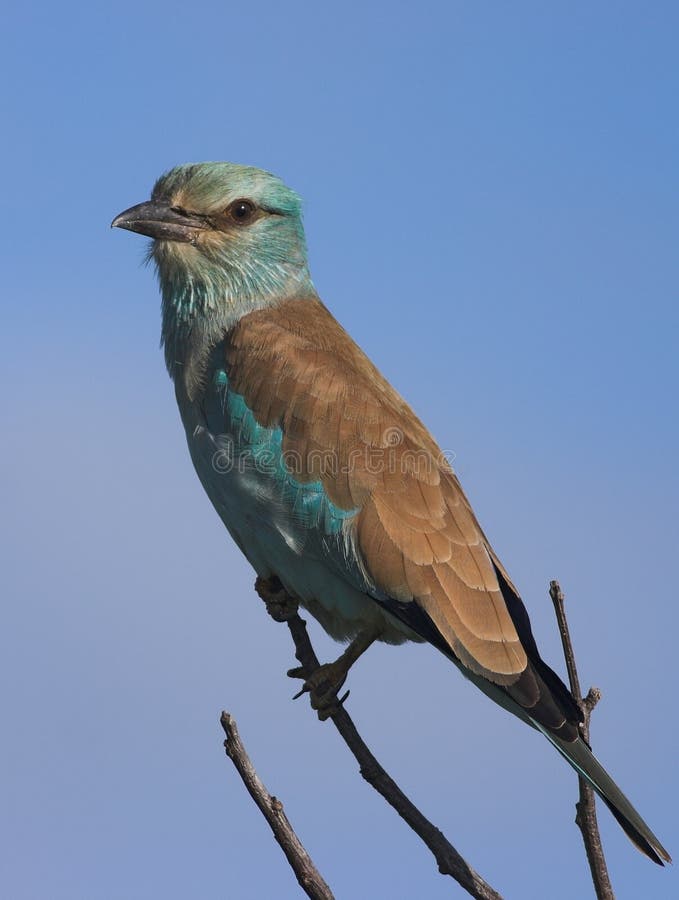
[{"x": 586, "y": 764}]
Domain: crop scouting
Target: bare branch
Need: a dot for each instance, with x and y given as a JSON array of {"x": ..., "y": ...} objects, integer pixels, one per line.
[
  {"x": 301, "y": 863},
  {"x": 283, "y": 608},
  {"x": 585, "y": 817}
]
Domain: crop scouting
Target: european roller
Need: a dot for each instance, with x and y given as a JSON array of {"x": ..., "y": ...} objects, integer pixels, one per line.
[{"x": 323, "y": 475}]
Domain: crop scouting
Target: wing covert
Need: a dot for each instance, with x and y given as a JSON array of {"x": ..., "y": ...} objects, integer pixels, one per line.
[{"x": 415, "y": 535}]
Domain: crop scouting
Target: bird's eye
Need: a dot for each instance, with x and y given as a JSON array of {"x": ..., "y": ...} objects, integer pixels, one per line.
[{"x": 242, "y": 211}]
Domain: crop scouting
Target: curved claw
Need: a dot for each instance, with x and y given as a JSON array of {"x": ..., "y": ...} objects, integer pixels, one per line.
[
  {"x": 322, "y": 686},
  {"x": 330, "y": 706}
]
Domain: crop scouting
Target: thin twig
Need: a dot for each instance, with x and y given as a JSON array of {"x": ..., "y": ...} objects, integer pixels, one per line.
[
  {"x": 585, "y": 808},
  {"x": 283, "y": 608},
  {"x": 307, "y": 874}
]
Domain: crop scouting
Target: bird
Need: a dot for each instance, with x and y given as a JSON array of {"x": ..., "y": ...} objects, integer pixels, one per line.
[{"x": 323, "y": 475}]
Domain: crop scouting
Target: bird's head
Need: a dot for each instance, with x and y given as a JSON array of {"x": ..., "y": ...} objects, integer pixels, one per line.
[{"x": 227, "y": 239}]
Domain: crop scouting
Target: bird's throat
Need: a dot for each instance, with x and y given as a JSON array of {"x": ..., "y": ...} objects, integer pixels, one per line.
[{"x": 203, "y": 299}]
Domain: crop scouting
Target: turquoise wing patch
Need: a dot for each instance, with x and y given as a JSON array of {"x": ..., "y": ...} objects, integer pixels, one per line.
[{"x": 255, "y": 447}]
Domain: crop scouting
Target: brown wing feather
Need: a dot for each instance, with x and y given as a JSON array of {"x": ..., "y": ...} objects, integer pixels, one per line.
[{"x": 417, "y": 537}]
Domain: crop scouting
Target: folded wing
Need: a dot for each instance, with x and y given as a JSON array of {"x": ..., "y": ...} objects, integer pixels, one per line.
[{"x": 417, "y": 546}]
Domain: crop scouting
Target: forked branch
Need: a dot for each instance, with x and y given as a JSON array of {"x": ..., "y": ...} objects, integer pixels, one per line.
[{"x": 284, "y": 608}]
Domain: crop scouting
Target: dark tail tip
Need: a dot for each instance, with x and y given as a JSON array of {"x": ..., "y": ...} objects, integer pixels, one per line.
[
  {"x": 655, "y": 852},
  {"x": 587, "y": 765}
]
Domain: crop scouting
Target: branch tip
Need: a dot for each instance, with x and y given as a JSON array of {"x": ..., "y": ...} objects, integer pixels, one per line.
[
  {"x": 308, "y": 876},
  {"x": 585, "y": 808}
]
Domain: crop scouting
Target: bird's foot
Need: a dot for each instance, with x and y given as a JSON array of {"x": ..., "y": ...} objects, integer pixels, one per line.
[
  {"x": 322, "y": 686},
  {"x": 279, "y": 604},
  {"x": 323, "y": 683}
]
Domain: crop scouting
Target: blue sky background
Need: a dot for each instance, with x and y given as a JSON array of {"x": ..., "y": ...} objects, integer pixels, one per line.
[{"x": 492, "y": 211}]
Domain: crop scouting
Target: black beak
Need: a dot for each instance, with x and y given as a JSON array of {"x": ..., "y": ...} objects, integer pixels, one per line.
[{"x": 157, "y": 219}]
